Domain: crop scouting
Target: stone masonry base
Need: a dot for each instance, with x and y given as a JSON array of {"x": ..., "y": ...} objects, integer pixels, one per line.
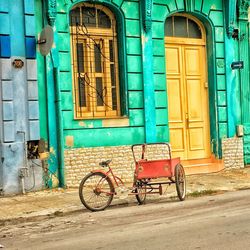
[
  {"x": 232, "y": 152},
  {"x": 80, "y": 161}
]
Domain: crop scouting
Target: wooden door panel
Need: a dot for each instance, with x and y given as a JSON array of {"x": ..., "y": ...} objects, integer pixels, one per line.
[
  {"x": 196, "y": 141},
  {"x": 177, "y": 139},
  {"x": 192, "y": 61},
  {"x": 197, "y": 103},
  {"x": 176, "y": 118},
  {"x": 188, "y": 101},
  {"x": 175, "y": 96},
  {"x": 177, "y": 135},
  {"x": 173, "y": 65},
  {"x": 194, "y": 100}
]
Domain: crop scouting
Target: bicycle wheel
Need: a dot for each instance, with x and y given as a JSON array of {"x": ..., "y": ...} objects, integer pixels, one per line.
[
  {"x": 96, "y": 191},
  {"x": 180, "y": 181},
  {"x": 141, "y": 190}
]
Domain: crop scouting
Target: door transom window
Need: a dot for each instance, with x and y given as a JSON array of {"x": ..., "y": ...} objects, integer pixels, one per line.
[{"x": 182, "y": 26}]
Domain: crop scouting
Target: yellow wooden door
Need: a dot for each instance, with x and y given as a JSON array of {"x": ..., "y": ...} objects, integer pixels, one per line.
[{"x": 188, "y": 101}]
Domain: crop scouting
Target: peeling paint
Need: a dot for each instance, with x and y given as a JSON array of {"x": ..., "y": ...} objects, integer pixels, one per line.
[
  {"x": 82, "y": 124},
  {"x": 52, "y": 151},
  {"x": 213, "y": 7},
  {"x": 69, "y": 141},
  {"x": 91, "y": 125},
  {"x": 220, "y": 63},
  {"x": 55, "y": 181},
  {"x": 86, "y": 124},
  {"x": 143, "y": 40}
]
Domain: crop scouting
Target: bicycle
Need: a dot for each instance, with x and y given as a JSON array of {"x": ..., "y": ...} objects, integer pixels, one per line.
[{"x": 97, "y": 189}]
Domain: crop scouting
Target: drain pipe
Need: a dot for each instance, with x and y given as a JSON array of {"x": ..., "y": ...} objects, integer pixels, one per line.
[
  {"x": 59, "y": 121},
  {"x": 23, "y": 171},
  {"x": 22, "y": 174},
  {"x": 60, "y": 144}
]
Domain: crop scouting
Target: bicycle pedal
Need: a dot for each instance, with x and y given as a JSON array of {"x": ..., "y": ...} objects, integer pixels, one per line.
[{"x": 122, "y": 192}]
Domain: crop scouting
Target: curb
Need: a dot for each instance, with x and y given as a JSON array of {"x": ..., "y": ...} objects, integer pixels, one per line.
[{"x": 46, "y": 214}]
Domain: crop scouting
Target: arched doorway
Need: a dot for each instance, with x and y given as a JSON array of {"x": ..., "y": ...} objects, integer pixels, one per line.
[{"x": 187, "y": 87}]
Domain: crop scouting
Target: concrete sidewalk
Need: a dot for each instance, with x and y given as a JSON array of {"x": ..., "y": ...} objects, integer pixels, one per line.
[{"x": 58, "y": 202}]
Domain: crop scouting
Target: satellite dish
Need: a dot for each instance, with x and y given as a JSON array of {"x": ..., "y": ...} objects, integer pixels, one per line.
[{"x": 46, "y": 40}]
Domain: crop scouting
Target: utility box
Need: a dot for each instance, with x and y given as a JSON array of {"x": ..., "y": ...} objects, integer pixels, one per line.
[{"x": 239, "y": 130}]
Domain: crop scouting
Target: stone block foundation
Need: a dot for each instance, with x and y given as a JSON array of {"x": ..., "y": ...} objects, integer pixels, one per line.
[
  {"x": 232, "y": 152},
  {"x": 79, "y": 162}
]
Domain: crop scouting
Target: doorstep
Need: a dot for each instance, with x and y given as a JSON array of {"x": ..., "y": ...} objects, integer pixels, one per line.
[{"x": 203, "y": 166}]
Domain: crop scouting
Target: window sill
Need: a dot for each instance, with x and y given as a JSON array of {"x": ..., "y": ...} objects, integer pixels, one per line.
[
  {"x": 115, "y": 122},
  {"x": 107, "y": 122}
]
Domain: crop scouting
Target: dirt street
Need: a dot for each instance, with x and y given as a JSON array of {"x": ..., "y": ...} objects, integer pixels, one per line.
[{"x": 211, "y": 222}]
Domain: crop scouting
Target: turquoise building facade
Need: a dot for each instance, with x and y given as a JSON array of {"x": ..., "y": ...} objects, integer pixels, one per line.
[{"x": 144, "y": 101}]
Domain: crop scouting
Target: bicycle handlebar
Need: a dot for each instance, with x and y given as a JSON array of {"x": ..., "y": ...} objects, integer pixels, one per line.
[{"x": 144, "y": 145}]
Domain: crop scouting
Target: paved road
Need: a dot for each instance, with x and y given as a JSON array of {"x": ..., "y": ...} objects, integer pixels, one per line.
[{"x": 212, "y": 222}]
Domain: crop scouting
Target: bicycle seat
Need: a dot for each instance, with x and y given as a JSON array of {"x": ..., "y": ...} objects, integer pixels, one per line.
[{"x": 105, "y": 163}]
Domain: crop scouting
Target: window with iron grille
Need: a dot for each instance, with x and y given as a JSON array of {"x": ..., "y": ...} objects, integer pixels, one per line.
[{"x": 94, "y": 62}]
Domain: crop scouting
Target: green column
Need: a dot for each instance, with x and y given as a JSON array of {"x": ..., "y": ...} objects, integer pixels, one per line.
[
  {"x": 244, "y": 73},
  {"x": 41, "y": 75},
  {"x": 48, "y": 116},
  {"x": 232, "y": 81},
  {"x": 148, "y": 83},
  {"x": 52, "y": 125},
  {"x": 54, "y": 72},
  {"x": 50, "y": 99},
  {"x": 244, "y": 54},
  {"x": 232, "y": 86}
]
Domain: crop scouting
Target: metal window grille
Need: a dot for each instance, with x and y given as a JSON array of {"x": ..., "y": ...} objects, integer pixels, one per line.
[{"x": 94, "y": 62}]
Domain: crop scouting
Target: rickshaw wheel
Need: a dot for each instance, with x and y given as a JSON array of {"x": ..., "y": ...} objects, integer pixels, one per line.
[
  {"x": 141, "y": 189},
  {"x": 180, "y": 181},
  {"x": 96, "y": 191}
]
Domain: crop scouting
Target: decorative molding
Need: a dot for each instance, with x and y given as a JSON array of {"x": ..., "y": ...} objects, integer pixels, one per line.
[
  {"x": 243, "y": 6},
  {"x": 188, "y": 5},
  {"x": 230, "y": 16},
  {"x": 147, "y": 7},
  {"x": 51, "y": 12}
]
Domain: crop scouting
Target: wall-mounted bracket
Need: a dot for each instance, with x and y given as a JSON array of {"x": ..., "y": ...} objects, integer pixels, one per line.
[
  {"x": 147, "y": 7},
  {"x": 230, "y": 7},
  {"x": 51, "y": 11}
]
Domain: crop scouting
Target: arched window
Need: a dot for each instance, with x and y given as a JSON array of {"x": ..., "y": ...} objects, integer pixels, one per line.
[
  {"x": 94, "y": 61},
  {"x": 182, "y": 26}
]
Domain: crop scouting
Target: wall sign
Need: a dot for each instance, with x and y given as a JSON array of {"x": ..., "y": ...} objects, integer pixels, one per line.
[
  {"x": 18, "y": 63},
  {"x": 237, "y": 65}
]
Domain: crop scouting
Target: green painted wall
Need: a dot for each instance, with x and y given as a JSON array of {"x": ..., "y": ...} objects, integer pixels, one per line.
[
  {"x": 247, "y": 125},
  {"x": 244, "y": 54},
  {"x": 92, "y": 133},
  {"x": 224, "y": 88},
  {"x": 47, "y": 108},
  {"x": 211, "y": 13},
  {"x": 41, "y": 75}
]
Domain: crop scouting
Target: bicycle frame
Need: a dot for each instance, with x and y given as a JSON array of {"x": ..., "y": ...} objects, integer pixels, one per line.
[
  {"x": 97, "y": 188},
  {"x": 110, "y": 175}
]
